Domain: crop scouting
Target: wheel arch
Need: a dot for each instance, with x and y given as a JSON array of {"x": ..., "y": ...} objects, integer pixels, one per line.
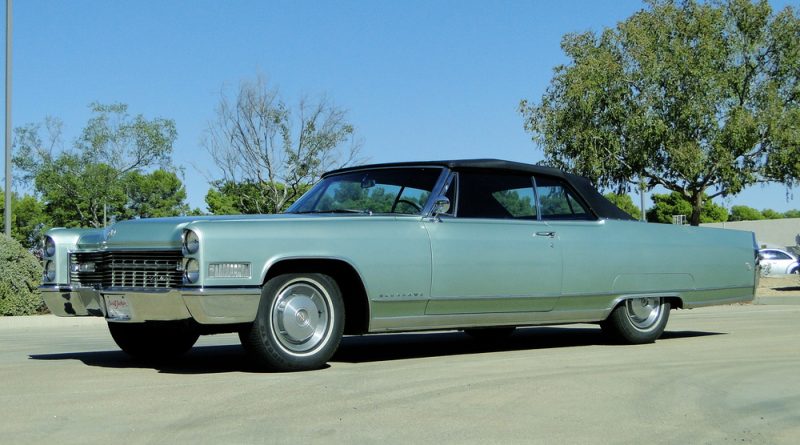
[
  {"x": 354, "y": 294},
  {"x": 675, "y": 301}
]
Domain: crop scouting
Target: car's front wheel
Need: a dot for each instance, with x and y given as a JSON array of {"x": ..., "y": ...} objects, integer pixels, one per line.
[
  {"x": 638, "y": 320},
  {"x": 153, "y": 340},
  {"x": 299, "y": 324}
]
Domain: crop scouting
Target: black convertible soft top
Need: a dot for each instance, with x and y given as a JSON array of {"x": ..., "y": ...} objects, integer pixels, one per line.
[{"x": 598, "y": 203}]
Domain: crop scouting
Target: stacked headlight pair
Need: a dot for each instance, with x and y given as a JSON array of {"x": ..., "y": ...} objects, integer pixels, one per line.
[
  {"x": 49, "y": 274},
  {"x": 215, "y": 270},
  {"x": 191, "y": 266}
]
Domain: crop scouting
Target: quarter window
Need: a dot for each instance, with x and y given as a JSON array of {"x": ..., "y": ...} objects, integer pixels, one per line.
[{"x": 557, "y": 201}]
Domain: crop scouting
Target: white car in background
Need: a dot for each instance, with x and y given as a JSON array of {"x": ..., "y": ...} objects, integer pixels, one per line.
[{"x": 778, "y": 262}]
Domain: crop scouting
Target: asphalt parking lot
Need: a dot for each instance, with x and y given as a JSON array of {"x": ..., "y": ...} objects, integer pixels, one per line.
[{"x": 722, "y": 375}]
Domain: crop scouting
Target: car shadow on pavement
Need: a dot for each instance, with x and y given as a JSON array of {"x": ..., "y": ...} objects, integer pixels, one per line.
[
  {"x": 786, "y": 289},
  {"x": 199, "y": 360},
  {"x": 373, "y": 348},
  {"x": 365, "y": 349}
]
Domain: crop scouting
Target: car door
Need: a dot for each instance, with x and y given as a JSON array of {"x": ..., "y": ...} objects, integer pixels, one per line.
[{"x": 493, "y": 254}]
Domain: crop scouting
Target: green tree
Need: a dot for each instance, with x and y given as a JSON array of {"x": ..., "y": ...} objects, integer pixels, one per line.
[
  {"x": 29, "y": 219},
  {"x": 701, "y": 98},
  {"x": 79, "y": 194},
  {"x": 667, "y": 205},
  {"x": 624, "y": 202},
  {"x": 771, "y": 214},
  {"x": 794, "y": 213},
  {"x": 274, "y": 151},
  {"x": 104, "y": 173},
  {"x": 157, "y": 194},
  {"x": 745, "y": 213}
]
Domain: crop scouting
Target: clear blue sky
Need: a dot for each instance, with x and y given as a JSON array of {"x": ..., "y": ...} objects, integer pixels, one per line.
[{"x": 420, "y": 79}]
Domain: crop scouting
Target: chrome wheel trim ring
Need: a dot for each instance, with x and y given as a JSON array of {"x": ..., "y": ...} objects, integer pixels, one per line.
[
  {"x": 302, "y": 315},
  {"x": 644, "y": 313}
]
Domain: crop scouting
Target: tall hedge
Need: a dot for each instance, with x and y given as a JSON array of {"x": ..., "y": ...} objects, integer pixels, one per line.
[{"x": 20, "y": 275}]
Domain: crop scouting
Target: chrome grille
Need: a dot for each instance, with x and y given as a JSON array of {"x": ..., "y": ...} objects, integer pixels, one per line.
[{"x": 147, "y": 269}]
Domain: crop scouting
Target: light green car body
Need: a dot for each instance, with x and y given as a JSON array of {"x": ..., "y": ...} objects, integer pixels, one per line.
[{"x": 417, "y": 272}]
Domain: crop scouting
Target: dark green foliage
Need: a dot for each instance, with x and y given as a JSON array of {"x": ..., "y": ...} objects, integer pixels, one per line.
[
  {"x": 698, "y": 97},
  {"x": 771, "y": 214},
  {"x": 624, "y": 202},
  {"x": 157, "y": 194},
  {"x": 675, "y": 204},
  {"x": 29, "y": 219},
  {"x": 78, "y": 193},
  {"x": 745, "y": 213},
  {"x": 20, "y": 275}
]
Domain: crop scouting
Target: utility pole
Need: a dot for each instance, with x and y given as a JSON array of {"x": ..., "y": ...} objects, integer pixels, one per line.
[{"x": 8, "y": 118}]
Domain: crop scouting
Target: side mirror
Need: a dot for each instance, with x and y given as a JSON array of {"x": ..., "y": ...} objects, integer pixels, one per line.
[{"x": 442, "y": 205}]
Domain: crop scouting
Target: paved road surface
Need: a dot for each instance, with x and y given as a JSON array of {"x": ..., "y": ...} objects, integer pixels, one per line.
[{"x": 720, "y": 375}]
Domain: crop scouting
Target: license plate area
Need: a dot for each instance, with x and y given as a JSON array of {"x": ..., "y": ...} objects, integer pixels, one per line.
[{"x": 118, "y": 308}]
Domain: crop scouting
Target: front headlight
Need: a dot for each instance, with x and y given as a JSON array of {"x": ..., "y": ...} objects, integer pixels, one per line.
[
  {"x": 50, "y": 271},
  {"x": 191, "y": 242},
  {"x": 49, "y": 246},
  {"x": 191, "y": 271}
]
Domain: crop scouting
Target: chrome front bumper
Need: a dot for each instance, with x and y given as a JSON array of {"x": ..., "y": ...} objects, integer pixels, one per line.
[{"x": 204, "y": 305}]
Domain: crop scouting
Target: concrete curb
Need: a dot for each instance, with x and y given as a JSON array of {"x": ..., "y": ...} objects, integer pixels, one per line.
[{"x": 788, "y": 300}]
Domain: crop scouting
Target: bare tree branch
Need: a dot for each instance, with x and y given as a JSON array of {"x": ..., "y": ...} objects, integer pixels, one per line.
[{"x": 257, "y": 139}]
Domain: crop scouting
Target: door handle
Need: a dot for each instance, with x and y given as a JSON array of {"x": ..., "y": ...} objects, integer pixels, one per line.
[{"x": 549, "y": 234}]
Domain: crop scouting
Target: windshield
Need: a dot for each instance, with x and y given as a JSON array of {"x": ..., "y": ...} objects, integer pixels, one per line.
[{"x": 386, "y": 190}]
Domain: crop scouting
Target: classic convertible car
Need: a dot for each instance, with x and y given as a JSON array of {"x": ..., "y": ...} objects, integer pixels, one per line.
[{"x": 479, "y": 245}]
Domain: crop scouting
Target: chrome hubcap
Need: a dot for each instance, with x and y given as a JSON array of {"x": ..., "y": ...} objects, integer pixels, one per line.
[
  {"x": 643, "y": 313},
  {"x": 301, "y": 316}
]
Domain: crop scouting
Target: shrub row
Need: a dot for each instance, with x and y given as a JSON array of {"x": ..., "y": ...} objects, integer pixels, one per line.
[{"x": 20, "y": 276}]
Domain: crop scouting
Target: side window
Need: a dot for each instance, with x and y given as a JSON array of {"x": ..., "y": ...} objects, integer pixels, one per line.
[
  {"x": 776, "y": 255},
  {"x": 495, "y": 195},
  {"x": 520, "y": 202},
  {"x": 557, "y": 201}
]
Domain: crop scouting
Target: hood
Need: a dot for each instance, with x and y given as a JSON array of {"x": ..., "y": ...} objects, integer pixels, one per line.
[{"x": 155, "y": 233}]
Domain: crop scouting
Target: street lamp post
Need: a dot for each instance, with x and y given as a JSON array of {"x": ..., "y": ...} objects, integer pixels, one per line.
[{"x": 8, "y": 118}]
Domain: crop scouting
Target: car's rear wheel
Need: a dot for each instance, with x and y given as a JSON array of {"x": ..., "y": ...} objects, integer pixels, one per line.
[
  {"x": 299, "y": 324},
  {"x": 153, "y": 340},
  {"x": 638, "y": 320}
]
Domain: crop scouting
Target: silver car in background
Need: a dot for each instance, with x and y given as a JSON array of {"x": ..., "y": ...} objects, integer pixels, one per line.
[{"x": 778, "y": 262}]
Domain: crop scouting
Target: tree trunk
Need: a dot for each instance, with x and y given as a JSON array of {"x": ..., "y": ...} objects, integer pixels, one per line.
[{"x": 697, "y": 207}]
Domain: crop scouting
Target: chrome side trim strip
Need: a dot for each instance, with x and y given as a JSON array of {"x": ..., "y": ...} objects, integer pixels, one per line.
[{"x": 428, "y": 322}]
